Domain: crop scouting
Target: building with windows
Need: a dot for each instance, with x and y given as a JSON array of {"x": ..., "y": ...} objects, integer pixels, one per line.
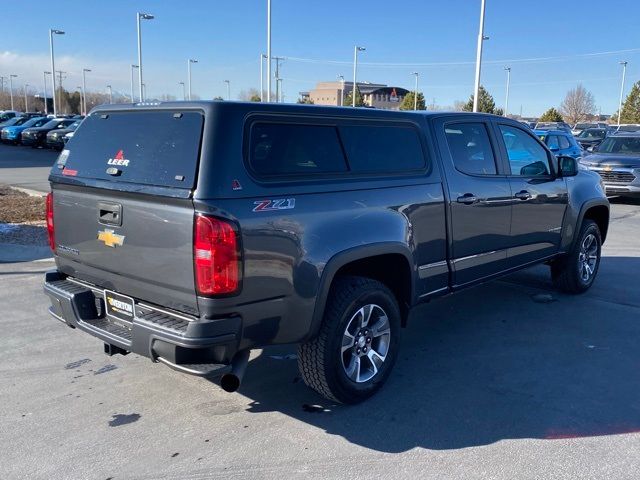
[{"x": 376, "y": 95}]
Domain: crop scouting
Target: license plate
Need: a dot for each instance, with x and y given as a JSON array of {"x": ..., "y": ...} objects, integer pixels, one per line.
[{"x": 119, "y": 306}]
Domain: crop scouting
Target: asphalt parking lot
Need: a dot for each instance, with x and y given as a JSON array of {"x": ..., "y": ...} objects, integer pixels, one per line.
[
  {"x": 26, "y": 167},
  {"x": 507, "y": 380}
]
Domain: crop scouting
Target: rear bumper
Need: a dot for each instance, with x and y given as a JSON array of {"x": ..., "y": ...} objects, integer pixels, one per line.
[{"x": 190, "y": 345}]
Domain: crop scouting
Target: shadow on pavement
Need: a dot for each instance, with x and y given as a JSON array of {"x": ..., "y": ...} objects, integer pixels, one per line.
[{"x": 484, "y": 365}]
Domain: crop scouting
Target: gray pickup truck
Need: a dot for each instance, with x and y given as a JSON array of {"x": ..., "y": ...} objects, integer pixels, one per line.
[{"x": 193, "y": 232}]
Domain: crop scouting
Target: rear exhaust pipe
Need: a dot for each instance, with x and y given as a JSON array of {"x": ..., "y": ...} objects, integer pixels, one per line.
[{"x": 230, "y": 382}]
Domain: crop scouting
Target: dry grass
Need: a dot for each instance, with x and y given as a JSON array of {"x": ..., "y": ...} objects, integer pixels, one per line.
[{"x": 18, "y": 207}]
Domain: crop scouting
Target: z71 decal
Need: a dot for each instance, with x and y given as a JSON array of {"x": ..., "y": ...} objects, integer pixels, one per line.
[{"x": 271, "y": 205}]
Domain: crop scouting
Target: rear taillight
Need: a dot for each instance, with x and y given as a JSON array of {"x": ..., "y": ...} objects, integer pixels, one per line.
[
  {"x": 216, "y": 256},
  {"x": 49, "y": 216}
]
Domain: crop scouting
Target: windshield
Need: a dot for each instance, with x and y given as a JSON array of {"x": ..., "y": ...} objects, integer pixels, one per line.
[
  {"x": 582, "y": 126},
  {"x": 51, "y": 124},
  {"x": 15, "y": 121},
  {"x": 593, "y": 133},
  {"x": 620, "y": 145},
  {"x": 32, "y": 122}
]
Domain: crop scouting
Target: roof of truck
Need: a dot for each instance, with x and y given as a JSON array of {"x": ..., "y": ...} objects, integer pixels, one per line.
[{"x": 277, "y": 107}]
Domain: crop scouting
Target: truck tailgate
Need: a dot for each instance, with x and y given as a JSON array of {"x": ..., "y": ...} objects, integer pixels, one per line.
[{"x": 146, "y": 251}]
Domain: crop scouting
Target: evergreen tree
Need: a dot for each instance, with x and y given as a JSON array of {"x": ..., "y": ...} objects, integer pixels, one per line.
[
  {"x": 631, "y": 106},
  {"x": 486, "y": 103},
  {"x": 408, "y": 102},
  {"x": 551, "y": 115},
  {"x": 348, "y": 99}
]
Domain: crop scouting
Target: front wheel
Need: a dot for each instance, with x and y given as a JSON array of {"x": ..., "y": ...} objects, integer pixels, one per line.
[
  {"x": 357, "y": 345},
  {"x": 576, "y": 272}
]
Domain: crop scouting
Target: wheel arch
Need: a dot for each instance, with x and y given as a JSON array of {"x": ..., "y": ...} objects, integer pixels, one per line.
[{"x": 371, "y": 261}]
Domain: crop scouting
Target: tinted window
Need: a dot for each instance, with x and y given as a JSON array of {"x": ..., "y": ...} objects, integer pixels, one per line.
[
  {"x": 293, "y": 149},
  {"x": 526, "y": 156},
  {"x": 564, "y": 142},
  {"x": 35, "y": 122},
  {"x": 382, "y": 148},
  {"x": 553, "y": 142},
  {"x": 151, "y": 148},
  {"x": 470, "y": 148}
]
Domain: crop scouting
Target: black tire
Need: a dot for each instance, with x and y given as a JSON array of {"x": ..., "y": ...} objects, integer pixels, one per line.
[
  {"x": 567, "y": 273},
  {"x": 321, "y": 360}
]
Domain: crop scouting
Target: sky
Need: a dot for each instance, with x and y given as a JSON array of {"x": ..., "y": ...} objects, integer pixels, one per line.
[{"x": 550, "y": 45}]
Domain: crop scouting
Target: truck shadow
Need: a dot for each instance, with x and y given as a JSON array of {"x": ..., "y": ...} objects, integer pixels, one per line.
[{"x": 510, "y": 359}]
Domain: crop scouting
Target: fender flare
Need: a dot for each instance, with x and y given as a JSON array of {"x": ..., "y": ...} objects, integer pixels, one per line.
[
  {"x": 341, "y": 259},
  {"x": 596, "y": 202}
]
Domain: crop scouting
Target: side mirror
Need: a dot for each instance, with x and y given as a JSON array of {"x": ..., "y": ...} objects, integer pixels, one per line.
[{"x": 567, "y": 166}]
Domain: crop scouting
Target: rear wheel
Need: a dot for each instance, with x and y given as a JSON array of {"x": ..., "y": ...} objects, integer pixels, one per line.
[
  {"x": 576, "y": 272},
  {"x": 355, "y": 350}
]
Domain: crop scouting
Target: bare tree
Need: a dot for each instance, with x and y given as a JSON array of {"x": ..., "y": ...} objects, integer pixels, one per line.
[
  {"x": 247, "y": 95},
  {"x": 578, "y": 103}
]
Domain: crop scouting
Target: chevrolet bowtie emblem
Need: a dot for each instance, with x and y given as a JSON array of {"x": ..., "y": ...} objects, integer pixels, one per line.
[{"x": 110, "y": 238}]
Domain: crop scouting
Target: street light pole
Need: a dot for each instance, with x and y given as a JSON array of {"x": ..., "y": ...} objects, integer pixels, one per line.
[
  {"x": 26, "y": 102},
  {"x": 132, "y": 82},
  {"x": 189, "y": 62},
  {"x": 110, "y": 94},
  {"x": 341, "y": 78},
  {"x": 84, "y": 90},
  {"x": 624, "y": 72},
  {"x": 268, "y": 51},
  {"x": 506, "y": 101},
  {"x": 481, "y": 39},
  {"x": 262, "y": 56},
  {"x": 11, "y": 77},
  {"x": 46, "y": 106},
  {"x": 2, "y": 79},
  {"x": 53, "y": 32},
  {"x": 184, "y": 92},
  {"x": 141, "y": 16},
  {"x": 228, "y": 89},
  {"x": 415, "y": 92},
  {"x": 356, "y": 49}
]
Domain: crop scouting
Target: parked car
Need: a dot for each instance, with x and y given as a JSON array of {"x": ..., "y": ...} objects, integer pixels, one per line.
[
  {"x": 560, "y": 142},
  {"x": 193, "y": 232},
  {"x": 8, "y": 114},
  {"x": 553, "y": 126},
  {"x": 37, "y": 136},
  {"x": 591, "y": 137},
  {"x": 13, "y": 134},
  {"x": 627, "y": 127},
  {"x": 579, "y": 127},
  {"x": 14, "y": 121},
  {"x": 617, "y": 160},
  {"x": 55, "y": 138}
]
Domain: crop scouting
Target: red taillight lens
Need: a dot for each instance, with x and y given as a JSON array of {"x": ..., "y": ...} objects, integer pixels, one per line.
[
  {"x": 216, "y": 256},
  {"x": 49, "y": 216}
]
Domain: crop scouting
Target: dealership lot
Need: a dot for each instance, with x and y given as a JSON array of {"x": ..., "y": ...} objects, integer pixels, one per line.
[{"x": 509, "y": 380}]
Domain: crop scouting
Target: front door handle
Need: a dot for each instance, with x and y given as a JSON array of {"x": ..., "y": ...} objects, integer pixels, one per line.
[
  {"x": 523, "y": 195},
  {"x": 468, "y": 199}
]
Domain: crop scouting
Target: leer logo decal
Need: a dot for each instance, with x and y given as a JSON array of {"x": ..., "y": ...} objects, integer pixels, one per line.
[
  {"x": 110, "y": 238},
  {"x": 118, "y": 159}
]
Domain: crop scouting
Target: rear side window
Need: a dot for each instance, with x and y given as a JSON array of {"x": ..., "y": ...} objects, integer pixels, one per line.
[
  {"x": 292, "y": 149},
  {"x": 564, "y": 143},
  {"x": 470, "y": 148},
  {"x": 382, "y": 149},
  {"x": 151, "y": 148}
]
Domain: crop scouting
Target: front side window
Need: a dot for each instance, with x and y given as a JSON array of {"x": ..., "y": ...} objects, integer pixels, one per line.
[
  {"x": 470, "y": 148},
  {"x": 526, "y": 156}
]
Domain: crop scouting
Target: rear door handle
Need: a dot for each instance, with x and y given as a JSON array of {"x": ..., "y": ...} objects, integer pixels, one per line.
[
  {"x": 523, "y": 195},
  {"x": 468, "y": 199}
]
